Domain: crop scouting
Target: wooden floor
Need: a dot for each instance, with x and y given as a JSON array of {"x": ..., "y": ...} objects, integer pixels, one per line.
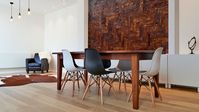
[{"x": 43, "y": 97}]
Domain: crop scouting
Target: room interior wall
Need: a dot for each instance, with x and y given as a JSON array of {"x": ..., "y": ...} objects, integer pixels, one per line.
[
  {"x": 188, "y": 24},
  {"x": 66, "y": 29},
  {"x": 173, "y": 27},
  {"x": 19, "y": 38}
]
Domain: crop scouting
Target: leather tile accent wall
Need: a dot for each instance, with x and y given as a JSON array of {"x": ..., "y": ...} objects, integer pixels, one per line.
[{"x": 128, "y": 24}]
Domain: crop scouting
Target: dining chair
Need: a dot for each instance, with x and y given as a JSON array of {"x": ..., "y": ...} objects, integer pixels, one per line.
[
  {"x": 73, "y": 72},
  {"x": 149, "y": 75},
  {"x": 94, "y": 65},
  {"x": 106, "y": 63},
  {"x": 124, "y": 69}
]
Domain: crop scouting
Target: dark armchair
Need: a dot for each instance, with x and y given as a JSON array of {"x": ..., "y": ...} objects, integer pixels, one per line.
[{"x": 37, "y": 64}]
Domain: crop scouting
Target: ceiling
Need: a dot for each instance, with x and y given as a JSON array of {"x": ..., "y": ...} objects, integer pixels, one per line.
[{"x": 40, "y": 6}]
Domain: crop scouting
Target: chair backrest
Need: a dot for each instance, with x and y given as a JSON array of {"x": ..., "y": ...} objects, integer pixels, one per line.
[
  {"x": 106, "y": 63},
  {"x": 93, "y": 62},
  {"x": 155, "y": 64},
  {"x": 68, "y": 60},
  {"x": 124, "y": 65},
  {"x": 37, "y": 58}
]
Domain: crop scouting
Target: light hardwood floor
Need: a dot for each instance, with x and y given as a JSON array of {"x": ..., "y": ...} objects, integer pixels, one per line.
[{"x": 43, "y": 97}]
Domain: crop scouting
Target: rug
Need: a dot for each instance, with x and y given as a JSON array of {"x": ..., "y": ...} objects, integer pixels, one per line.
[{"x": 17, "y": 80}]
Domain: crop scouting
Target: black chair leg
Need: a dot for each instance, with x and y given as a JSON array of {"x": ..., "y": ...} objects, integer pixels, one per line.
[
  {"x": 47, "y": 71},
  {"x": 42, "y": 71},
  {"x": 27, "y": 71},
  {"x": 34, "y": 71}
]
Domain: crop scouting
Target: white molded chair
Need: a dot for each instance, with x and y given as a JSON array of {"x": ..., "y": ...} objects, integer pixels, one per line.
[
  {"x": 148, "y": 75},
  {"x": 73, "y": 72}
]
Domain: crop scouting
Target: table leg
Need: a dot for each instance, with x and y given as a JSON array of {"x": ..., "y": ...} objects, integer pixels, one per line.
[
  {"x": 155, "y": 89},
  {"x": 135, "y": 80},
  {"x": 59, "y": 71}
]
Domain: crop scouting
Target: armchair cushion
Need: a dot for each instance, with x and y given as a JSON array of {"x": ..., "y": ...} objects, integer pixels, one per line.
[
  {"x": 34, "y": 64},
  {"x": 37, "y": 58}
]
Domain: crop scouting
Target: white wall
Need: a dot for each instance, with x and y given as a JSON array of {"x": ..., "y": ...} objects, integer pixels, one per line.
[
  {"x": 67, "y": 28},
  {"x": 20, "y": 38},
  {"x": 183, "y": 25},
  {"x": 188, "y": 24},
  {"x": 173, "y": 26},
  {"x": 86, "y": 23}
]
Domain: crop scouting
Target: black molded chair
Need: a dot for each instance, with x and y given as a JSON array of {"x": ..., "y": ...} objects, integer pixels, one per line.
[
  {"x": 94, "y": 65},
  {"x": 106, "y": 63},
  {"x": 37, "y": 64}
]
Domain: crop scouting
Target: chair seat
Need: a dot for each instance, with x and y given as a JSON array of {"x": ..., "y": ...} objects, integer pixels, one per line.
[
  {"x": 118, "y": 70},
  {"x": 80, "y": 67},
  {"x": 114, "y": 69},
  {"x": 142, "y": 71},
  {"x": 34, "y": 65},
  {"x": 75, "y": 69},
  {"x": 107, "y": 72},
  {"x": 145, "y": 73}
]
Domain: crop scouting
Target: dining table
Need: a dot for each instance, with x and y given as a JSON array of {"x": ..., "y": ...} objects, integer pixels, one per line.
[{"x": 133, "y": 55}]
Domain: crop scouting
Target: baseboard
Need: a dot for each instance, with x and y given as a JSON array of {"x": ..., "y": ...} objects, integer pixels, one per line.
[
  {"x": 185, "y": 88},
  {"x": 4, "y": 71},
  {"x": 7, "y": 71}
]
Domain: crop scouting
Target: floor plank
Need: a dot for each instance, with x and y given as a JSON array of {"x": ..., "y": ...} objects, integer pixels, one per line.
[{"x": 43, "y": 97}]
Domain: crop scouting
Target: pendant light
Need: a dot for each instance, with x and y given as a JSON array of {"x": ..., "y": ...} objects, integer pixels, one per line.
[
  {"x": 28, "y": 7},
  {"x": 19, "y": 16},
  {"x": 11, "y": 4}
]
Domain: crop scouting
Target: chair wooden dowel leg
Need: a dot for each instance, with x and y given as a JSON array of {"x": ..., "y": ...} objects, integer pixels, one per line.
[
  {"x": 83, "y": 81},
  {"x": 109, "y": 90},
  {"x": 124, "y": 79},
  {"x": 101, "y": 91},
  {"x": 80, "y": 76},
  {"x": 98, "y": 86},
  {"x": 64, "y": 83},
  {"x": 78, "y": 81},
  {"x": 130, "y": 95},
  {"x": 87, "y": 87},
  {"x": 120, "y": 78},
  {"x": 157, "y": 89},
  {"x": 113, "y": 89},
  {"x": 64, "y": 78},
  {"x": 150, "y": 87},
  {"x": 73, "y": 85},
  {"x": 111, "y": 83}
]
